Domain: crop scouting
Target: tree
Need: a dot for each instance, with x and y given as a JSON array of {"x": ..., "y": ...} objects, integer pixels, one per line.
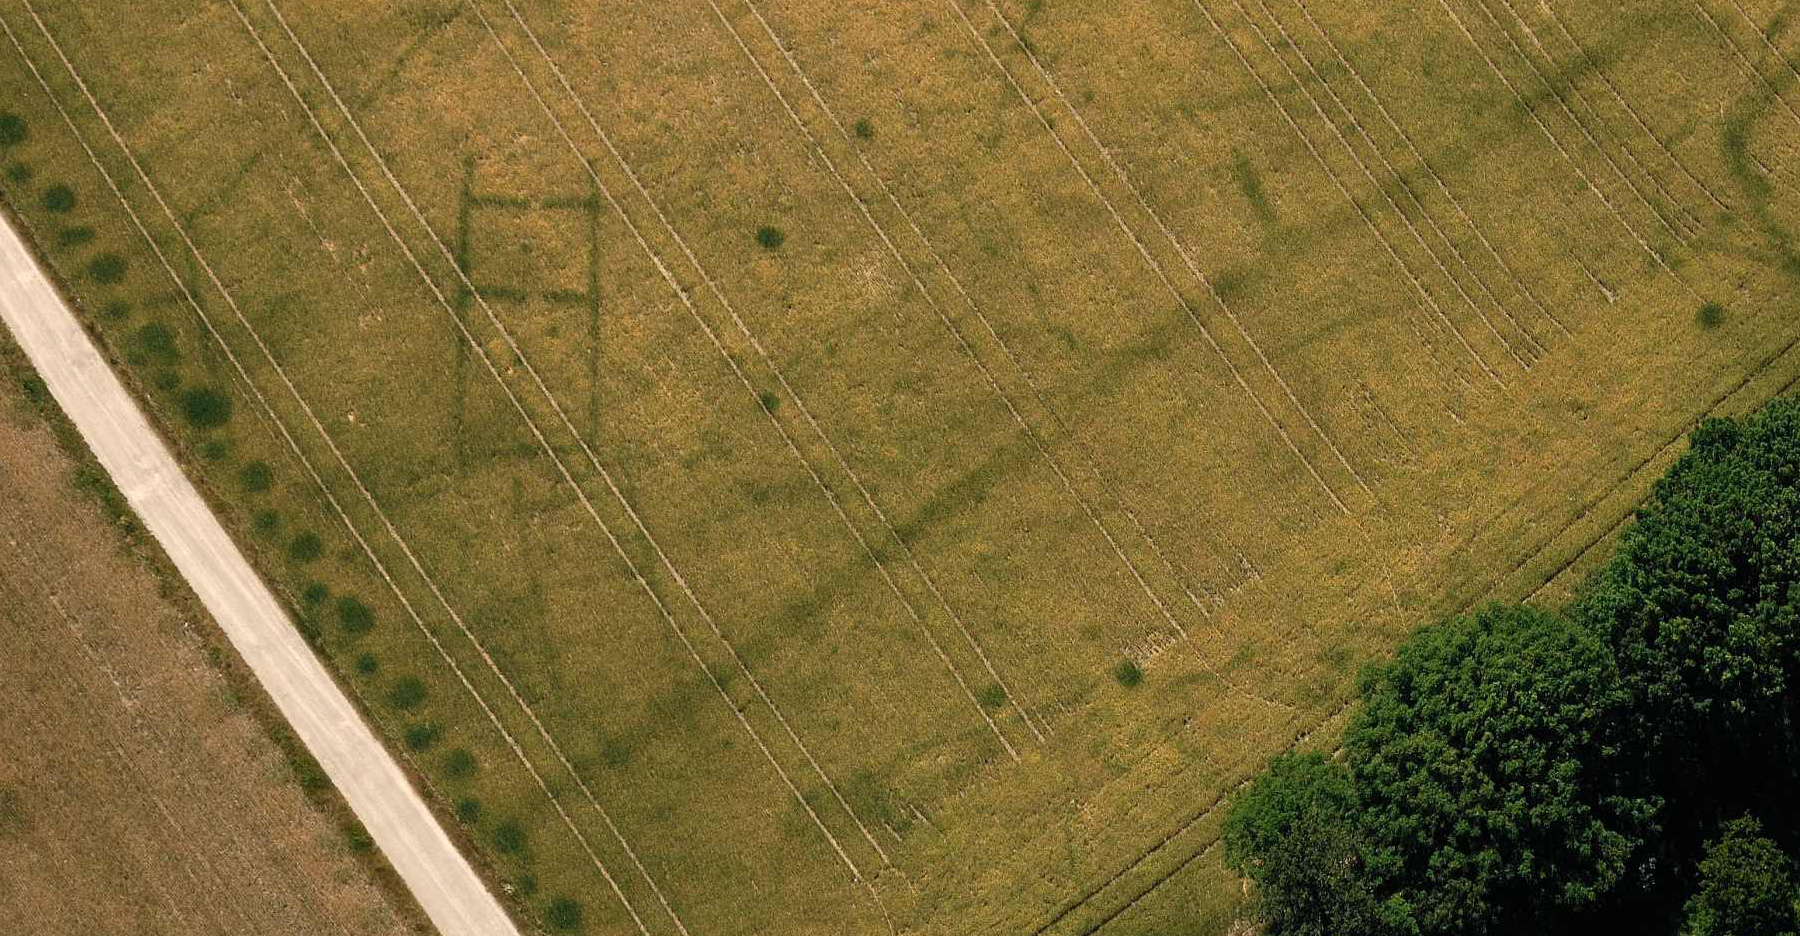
[
  {"x": 1699, "y": 606},
  {"x": 1746, "y": 887},
  {"x": 1487, "y": 766},
  {"x": 1293, "y": 832}
]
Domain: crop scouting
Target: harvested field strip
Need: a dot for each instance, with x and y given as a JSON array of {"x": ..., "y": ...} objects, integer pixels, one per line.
[
  {"x": 762, "y": 355},
  {"x": 1625, "y": 104},
  {"x": 618, "y": 548},
  {"x": 1376, "y": 183},
  {"x": 1518, "y": 283},
  {"x": 1655, "y": 255},
  {"x": 1143, "y": 251},
  {"x": 1368, "y": 221},
  {"x": 293, "y": 445},
  {"x": 1683, "y": 229},
  {"x": 1533, "y": 347},
  {"x": 1037, "y": 442},
  {"x": 544, "y": 444}
]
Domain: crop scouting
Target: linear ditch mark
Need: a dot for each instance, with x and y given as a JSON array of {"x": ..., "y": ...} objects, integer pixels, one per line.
[
  {"x": 780, "y": 377},
  {"x": 1373, "y": 182},
  {"x": 293, "y": 445}
]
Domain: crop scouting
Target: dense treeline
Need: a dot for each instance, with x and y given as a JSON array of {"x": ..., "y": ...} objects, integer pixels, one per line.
[{"x": 1630, "y": 765}]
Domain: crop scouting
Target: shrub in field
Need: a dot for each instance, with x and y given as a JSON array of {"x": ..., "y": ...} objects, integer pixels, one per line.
[
  {"x": 215, "y": 449},
  {"x": 358, "y": 838},
  {"x": 205, "y": 408},
  {"x": 107, "y": 269},
  {"x": 59, "y": 199},
  {"x": 769, "y": 237},
  {"x": 864, "y": 129},
  {"x": 156, "y": 342},
  {"x": 459, "y": 764},
  {"x": 367, "y": 664},
  {"x": 564, "y": 914},
  {"x": 19, "y": 173},
  {"x": 769, "y": 399},
  {"x": 256, "y": 476},
  {"x": 309, "y": 774},
  {"x": 509, "y": 837},
  {"x": 1128, "y": 674},
  {"x": 423, "y": 735},
  {"x": 354, "y": 616},
  {"x": 1711, "y": 315},
  {"x": 314, "y": 593},
  {"x": 266, "y": 521},
  {"x": 12, "y": 129},
  {"x": 407, "y": 693},
  {"x": 305, "y": 548},
  {"x": 468, "y": 810},
  {"x": 991, "y": 696},
  {"x": 77, "y": 236}
]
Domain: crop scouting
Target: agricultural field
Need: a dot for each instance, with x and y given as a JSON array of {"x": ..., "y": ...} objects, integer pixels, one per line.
[
  {"x": 784, "y": 467},
  {"x": 140, "y": 791}
]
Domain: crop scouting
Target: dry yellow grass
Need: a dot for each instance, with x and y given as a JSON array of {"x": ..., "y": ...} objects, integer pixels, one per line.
[{"x": 780, "y": 582}]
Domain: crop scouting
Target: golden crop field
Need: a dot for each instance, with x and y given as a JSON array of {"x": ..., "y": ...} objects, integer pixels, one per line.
[{"x": 786, "y": 467}]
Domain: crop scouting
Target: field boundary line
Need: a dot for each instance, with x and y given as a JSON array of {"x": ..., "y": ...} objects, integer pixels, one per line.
[
  {"x": 1144, "y": 251},
  {"x": 1418, "y": 285},
  {"x": 1093, "y": 463},
  {"x": 1181, "y": 251},
  {"x": 1618, "y": 95},
  {"x": 762, "y": 354},
  {"x": 1518, "y": 282},
  {"x": 1599, "y": 121},
  {"x": 1545, "y": 129},
  {"x": 543, "y": 442},
  {"x": 1374, "y": 183},
  {"x": 1036, "y": 441},
  {"x": 287, "y": 436}
]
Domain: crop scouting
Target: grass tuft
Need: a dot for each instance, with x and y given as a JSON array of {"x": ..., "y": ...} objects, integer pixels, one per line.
[
  {"x": 367, "y": 664},
  {"x": 468, "y": 810},
  {"x": 1128, "y": 674},
  {"x": 305, "y": 548},
  {"x": 564, "y": 914},
  {"x": 256, "y": 476},
  {"x": 770, "y": 237},
  {"x": 509, "y": 837},
  {"x": 1710, "y": 316},
  {"x": 205, "y": 408},
  {"x": 992, "y": 696},
  {"x": 422, "y": 736},
  {"x": 864, "y": 129},
  {"x": 12, "y": 129},
  {"x": 459, "y": 764},
  {"x": 354, "y": 616},
  {"x": 107, "y": 269},
  {"x": 59, "y": 199},
  {"x": 407, "y": 693}
]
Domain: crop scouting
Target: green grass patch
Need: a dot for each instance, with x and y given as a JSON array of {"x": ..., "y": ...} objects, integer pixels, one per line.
[
  {"x": 563, "y": 914},
  {"x": 256, "y": 476},
  {"x": 467, "y": 810},
  {"x": 116, "y": 309},
  {"x": 991, "y": 696},
  {"x": 266, "y": 521},
  {"x": 510, "y": 838},
  {"x": 354, "y": 616},
  {"x": 205, "y": 408},
  {"x": 78, "y": 236},
  {"x": 107, "y": 269},
  {"x": 769, "y": 237},
  {"x": 367, "y": 664},
  {"x": 305, "y": 548},
  {"x": 19, "y": 173},
  {"x": 1710, "y": 316},
  {"x": 154, "y": 342},
  {"x": 864, "y": 129},
  {"x": 1128, "y": 674},
  {"x": 407, "y": 693},
  {"x": 422, "y": 736},
  {"x": 459, "y": 764},
  {"x": 12, "y": 129},
  {"x": 59, "y": 199}
]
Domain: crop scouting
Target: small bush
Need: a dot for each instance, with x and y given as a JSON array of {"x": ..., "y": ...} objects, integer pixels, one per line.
[
  {"x": 314, "y": 593},
  {"x": 156, "y": 342},
  {"x": 468, "y": 810},
  {"x": 12, "y": 129},
  {"x": 367, "y": 664},
  {"x": 116, "y": 309},
  {"x": 509, "y": 837},
  {"x": 309, "y": 774},
  {"x": 354, "y": 616},
  {"x": 864, "y": 129},
  {"x": 564, "y": 914},
  {"x": 77, "y": 236},
  {"x": 59, "y": 198},
  {"x": 19, "y": 173},
  {"x": 205, "y": 408},
  {"x": 1711, "y": 315},
  {"x": 770, "y": 237},
  {"x": 459, "y": 764},
  {"x": 107, "y": 269},
  {"x": 216, "y": 449},
  {"x": 358, "y": 838},
  {"x": 305, "y": 548},
  {"x": 770, "y": 400},
  {"x": 266, "y": 521},
  {"x": 992, "y": 696},
  {"x": 1128, "y": 674},
  {"x": 407, "y": 693},
  {"x": 256, "y": 476},
  {"x": 423, "y": 735}
]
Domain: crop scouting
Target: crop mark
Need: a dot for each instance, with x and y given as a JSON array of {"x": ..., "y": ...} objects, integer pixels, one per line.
[
  {"x": 293, "y": 445},
  {"x": 1370, "y": 176},
  {"x": 1518, "y": 282},
  {"x": 1362, "y": 212}
]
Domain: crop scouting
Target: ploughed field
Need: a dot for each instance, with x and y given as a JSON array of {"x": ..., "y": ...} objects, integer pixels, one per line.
[{"x": 795, "y": 467}]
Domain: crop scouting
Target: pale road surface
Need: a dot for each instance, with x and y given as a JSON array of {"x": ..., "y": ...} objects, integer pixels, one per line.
[{"x": 144, "y": 470}]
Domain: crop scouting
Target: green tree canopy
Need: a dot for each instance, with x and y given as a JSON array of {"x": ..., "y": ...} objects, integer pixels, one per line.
[
  {"x": 1293, "y": 832},
  {"x": 1486, "y": 764},
  {"x": 1746, "y": 887}
]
